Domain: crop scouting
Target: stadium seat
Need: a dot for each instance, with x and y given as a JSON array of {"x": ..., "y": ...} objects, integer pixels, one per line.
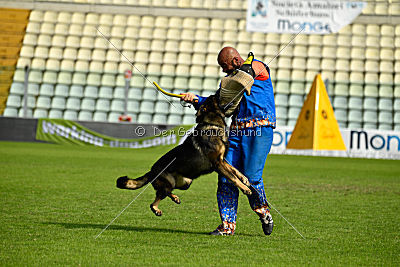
[
  {"x": 103, "y": 105},
  {"x": 159, "y": 119},
  {"x": 396, "y": 118},
  {"x": 396, "y": 105},
  {"x": 10, "y": 112},
  {"x": 195, "y": 83},
  {"x": 370, "y": 116},
  {"x": 341, "y": 115},
  {"x": 67, "y": 65},
  {"x": 119, "y": 93},
  {"x": 76, "y": 29},
  {"x": 144, "y": 118},
  {"x": 35, "y": 76},
  {"x": 340, "y": 102},
  {"x": 370, "y": 125},
  {"x": 61, "y": 90},
  {"x": 58, "y": 103},
  {"x": 180, "y": 83},
  {"x": 370, "y": 90},
  {"x": 17, "y": 88},
  {"x": 295, "y": 100},
  {"x": 328, "y": 64},
  {"x": 176, "y": 109},
  {"x": 117, "y": 105},
  {"x": 147, "y": 106},
  {"x": 14, "y": 101},
  {"x": 385, "y": 117},
  {"x": 29, "y": 112},
  {"x": 33, "y": 27},
  {"x": 73, "y": 103},
  {"x": 386, "y": 91},
  {"x": 385, "y": 104},
  {"x": 356, "y": 65},
  {"x": 384, "y": 126},
  {"x": 61, "y": 29},
  {"x": 55, "y": 114},
  {"x": 76, "y": 91},
  {"x": 370, "y": 103},
  {"x": 78, "y": 17},
  {"x": 174, "y": 119},
  {"x": 356, "y": 77},
  {"x": 41, "y": 52},
  {"x": 43, "y": 102},
  {"x": 354, "y": 116},
  {"x": 49, "y": 77},
  {"x": 135, "y": 93},
  {"x": 372, "y": 41},
  {"x": 85, "y": 115},
  {"x": 161, "y": 107},
  {"x": 64, "y": 78},
  {"x": 386, "y": 78},
  {"x": 189, "y": 119},
  {"x": 36, "y": 15},
  {"x": 40, "y": 113},
  {"x": 46, "y": 90},
  {"x": 100, "y": 116},
  {"x": 92, "y": 19},
  {"x": 355, "y": 103},
  {"x": 133, "y": 106},
  {"x": 52, "y": 64},
  {"x": 293, "y": 113}
]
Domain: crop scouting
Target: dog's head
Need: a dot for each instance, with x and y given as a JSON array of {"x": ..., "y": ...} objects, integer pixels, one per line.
[{"x": 211, "y": 112}]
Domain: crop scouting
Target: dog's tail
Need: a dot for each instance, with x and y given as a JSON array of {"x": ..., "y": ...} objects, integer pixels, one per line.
[{"x": 126, "y": 183}]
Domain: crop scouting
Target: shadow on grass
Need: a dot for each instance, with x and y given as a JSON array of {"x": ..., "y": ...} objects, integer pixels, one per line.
[{"x": 124, "y": 228}]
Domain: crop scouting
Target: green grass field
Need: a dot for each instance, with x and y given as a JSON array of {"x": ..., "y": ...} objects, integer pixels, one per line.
[{"x": 56, "y": 199}]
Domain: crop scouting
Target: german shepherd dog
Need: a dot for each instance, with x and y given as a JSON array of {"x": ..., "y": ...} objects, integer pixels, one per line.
[{"x": 201, "y": 153}]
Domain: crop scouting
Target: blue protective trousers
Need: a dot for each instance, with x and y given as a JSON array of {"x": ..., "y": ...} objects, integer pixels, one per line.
[{"x": 248, "y": 151}]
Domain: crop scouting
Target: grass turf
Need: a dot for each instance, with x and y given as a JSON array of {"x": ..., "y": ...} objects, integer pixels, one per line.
[{"x": 56, "y": 199}]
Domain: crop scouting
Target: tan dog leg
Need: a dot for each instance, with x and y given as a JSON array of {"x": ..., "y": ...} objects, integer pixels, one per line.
[
  {"x": 154, "y": 206},
  {"x": 225, "y": 169},
  {"x": 174, "y": 198},
  {"x": 240, "y": 175}
]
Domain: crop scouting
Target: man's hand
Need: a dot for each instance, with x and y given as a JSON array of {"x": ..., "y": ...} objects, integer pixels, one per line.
[{"x": 188, "y": 97}]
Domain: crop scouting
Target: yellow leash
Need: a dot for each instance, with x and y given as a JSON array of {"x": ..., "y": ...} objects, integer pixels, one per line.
[{"x": 167, "y": 93}]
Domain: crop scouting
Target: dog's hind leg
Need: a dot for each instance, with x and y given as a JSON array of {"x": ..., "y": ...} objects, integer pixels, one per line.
[
  {"x": 174, "y": 198},
  {"x": 160, "y": 195},
  {"x": 183, "y": 183}
]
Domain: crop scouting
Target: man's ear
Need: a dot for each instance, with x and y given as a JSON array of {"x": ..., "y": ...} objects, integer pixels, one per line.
[{"x": 235, "y": 62}]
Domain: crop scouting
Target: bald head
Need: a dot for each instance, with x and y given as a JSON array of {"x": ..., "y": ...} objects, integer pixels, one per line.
[{"x": 229, "y": 59}]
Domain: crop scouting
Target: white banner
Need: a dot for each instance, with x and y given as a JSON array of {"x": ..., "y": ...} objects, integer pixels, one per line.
[
  {"x": 290, "y": 16},
  {"x": 360, "y": 143}
]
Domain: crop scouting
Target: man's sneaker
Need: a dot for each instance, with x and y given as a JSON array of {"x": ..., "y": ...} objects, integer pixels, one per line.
[
  {"x": 267, "y": 224},
  {"x": 221, "y": 231}
]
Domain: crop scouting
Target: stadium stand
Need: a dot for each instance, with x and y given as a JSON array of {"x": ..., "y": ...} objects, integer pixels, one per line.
[
  {"x": 76, "y": 74},
  {"x": 12, "y": 29}
]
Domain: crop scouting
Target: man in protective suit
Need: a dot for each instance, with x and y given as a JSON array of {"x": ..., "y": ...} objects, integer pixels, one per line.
[{"x": 246, "y": 94}]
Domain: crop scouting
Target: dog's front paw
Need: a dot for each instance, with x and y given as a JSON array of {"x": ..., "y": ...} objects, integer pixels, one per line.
[
  {"x": 246, "y": 182},
  {"x": 247, "y": 191},
  {"x": 121, "y": 182}
]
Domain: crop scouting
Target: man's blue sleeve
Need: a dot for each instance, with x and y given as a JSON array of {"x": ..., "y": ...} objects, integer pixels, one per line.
[{"x": 196, "y": 105}]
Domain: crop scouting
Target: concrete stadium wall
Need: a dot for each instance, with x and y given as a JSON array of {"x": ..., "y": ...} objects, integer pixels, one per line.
[{"x": 20, "y": 129}]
